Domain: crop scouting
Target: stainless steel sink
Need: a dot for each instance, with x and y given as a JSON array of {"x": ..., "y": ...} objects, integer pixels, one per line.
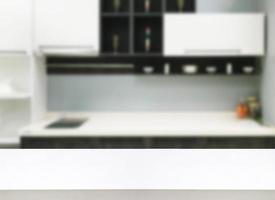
[{"x": 66, "y": 123}]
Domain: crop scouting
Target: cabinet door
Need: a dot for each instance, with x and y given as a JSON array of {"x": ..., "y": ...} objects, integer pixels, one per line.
[
  {"x": 15, "y": 20},
  {"x": 214, "y": 34},
  {"x": 67, "y": 23}
]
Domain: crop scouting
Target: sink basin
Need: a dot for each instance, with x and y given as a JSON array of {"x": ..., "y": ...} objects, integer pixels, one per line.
[{"x": 66, "y": 123}]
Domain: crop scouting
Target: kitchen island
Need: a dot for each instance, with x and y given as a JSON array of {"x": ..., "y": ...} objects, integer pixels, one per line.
[{"x": 149, "y": 130}]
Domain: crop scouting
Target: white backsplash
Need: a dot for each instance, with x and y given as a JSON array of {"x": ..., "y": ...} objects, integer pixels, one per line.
[{"x": 140, "y": 93}]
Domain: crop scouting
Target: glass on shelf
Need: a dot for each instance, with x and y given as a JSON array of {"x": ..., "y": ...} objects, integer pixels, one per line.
[
  {"x": 115, "y": 6},
  {"x": 180, "y": 5},
  {"x": 148, "y": 6}
]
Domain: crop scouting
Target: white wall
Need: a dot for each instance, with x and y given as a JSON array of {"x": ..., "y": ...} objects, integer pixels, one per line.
[
  {"x": 137, "y": 195},
  {"x": 132, "y": 93},
  {"x": 268, "y": 78}
]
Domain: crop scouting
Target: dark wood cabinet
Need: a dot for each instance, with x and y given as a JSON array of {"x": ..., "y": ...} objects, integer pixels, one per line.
[{"x": 148, "y": 143}]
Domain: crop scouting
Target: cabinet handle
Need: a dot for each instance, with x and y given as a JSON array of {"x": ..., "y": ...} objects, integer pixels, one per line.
[
  {"x": 68, "y": 50},
  {"x": 213, "y": 51},
  {"x": 66, "y": 47}
]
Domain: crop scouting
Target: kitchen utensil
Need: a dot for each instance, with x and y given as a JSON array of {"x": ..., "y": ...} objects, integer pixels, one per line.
[
  {"x": 148, "y": 69},
  {"x": 190, "y": 69},
  {"x": 248, "y": 69},
  {"x": 211, "y": 69}
]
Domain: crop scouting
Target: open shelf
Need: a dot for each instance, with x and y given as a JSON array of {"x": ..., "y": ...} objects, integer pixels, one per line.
[
  {"x": 15, "y": 96},
  {"x": 123, "y": 28},
  {"x": 141, "y": 24},
  {"x": 115, "y": 6},
  {"x": 115, "y": 35},
  {"x": 154, "y": 64},
  {"x": 148, "y": 6},
  {"x": 180, "y": 5}
]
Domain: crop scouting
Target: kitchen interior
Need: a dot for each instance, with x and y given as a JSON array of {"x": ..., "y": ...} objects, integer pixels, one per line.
[{"x": 137, "y": 74}]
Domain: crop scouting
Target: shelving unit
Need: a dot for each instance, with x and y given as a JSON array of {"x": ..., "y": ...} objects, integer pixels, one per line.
[
  {"x": 154, "y": 23},
  {"x": 15, "y": 107},
  {"x": 124, "y": 24},
  {"x": 62, "y": 65},
  {"x": 21, "y": 75},
  {"x": 115, "y": 28}
]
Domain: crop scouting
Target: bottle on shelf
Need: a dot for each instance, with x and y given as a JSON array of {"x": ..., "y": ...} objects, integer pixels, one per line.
[
  {"x": 115, "y": 43},
  {"x": 147, "y": 39},
  {"x": 181, "y": 4},
  {"x": 116, "y": 4},
  {"x": 147, "y": 5}
]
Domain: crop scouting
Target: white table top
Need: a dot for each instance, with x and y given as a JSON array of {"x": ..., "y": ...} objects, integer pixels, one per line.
[
  {"x": 137, "y": 169},
  {"x": 154, "y": 124}
]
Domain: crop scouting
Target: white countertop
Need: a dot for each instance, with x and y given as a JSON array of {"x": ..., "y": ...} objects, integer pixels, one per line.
[
  {"x": 153, "y": 124},
  {"x": 137, "y": 169}
]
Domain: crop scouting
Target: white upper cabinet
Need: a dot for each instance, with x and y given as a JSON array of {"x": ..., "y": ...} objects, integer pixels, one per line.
[
  {"x": 70, "y": 26},
  {"x": 15, "y": 22},
  {"x": 214, "y": 34}
]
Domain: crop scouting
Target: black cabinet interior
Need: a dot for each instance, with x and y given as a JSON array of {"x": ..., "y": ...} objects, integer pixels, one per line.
[
  {"x": 148, "y": 6},
  {"x": 115, "y": 30},
  {"x": 148, "y": 143},
  {"x": 123, "y": 24},
  {"x": 155, "y": 26},
  {"x": 93, "y": 65},
  {"x": 115, "y": 6},
  {"x": 180, "y": 5}
]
